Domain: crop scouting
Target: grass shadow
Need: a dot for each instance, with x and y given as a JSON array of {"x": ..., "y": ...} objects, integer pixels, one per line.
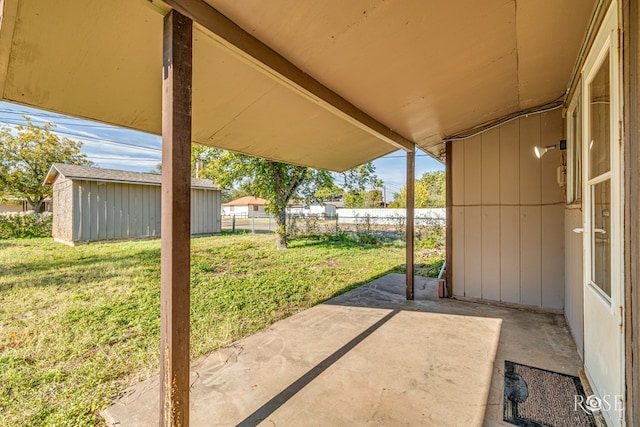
[
  {"x": 75, "y": 269},
  {"x": 307, "y": 242}
]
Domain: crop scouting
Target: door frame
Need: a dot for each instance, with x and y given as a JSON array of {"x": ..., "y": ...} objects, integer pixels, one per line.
[
  {"x": 606, "y": 43},
  {"x": 631, "y": 132}
]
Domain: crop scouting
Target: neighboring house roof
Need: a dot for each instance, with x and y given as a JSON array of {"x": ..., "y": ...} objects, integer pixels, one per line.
[
  {"x": 89, "y": 173},
  {"x": 245, "y": 201}
]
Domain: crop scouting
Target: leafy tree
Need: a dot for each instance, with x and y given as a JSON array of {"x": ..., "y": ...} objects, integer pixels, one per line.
[
  {"x": 435, "y": 183},
  {"x": 430, "y": 192},
  {"x": 245, "y": 188},
  {"x": 363, "y": 199},
  {"x": 373, "y": 199},
  {"x": 26, "y": 154},
  {"x": 421, "y": 196},
  {"x": 356, "y": 181},
  {"x": 361, "y": 177},
  {"x": 328, "y": 193},
  {"x": 274, "y": 181},
  {"x": 353, "y": 199}
]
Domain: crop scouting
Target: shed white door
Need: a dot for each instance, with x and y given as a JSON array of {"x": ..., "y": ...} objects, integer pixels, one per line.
[{"x": 602, "y": 211}]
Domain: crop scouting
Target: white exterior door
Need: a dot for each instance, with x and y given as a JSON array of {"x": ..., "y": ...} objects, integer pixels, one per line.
[{"x": 602, "y": 213}]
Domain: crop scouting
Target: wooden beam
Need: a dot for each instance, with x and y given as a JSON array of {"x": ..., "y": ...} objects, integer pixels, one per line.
[
  {"x": 631, "y": 73},
  {"x": 449, "y": 213},
  {"x": 411, "y": 167},
  {"x": 274, "y": 65},
  {"x": 176, "y": 220}
]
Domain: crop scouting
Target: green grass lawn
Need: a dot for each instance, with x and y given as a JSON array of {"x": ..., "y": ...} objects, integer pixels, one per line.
[{"x": 79, "y": 324}]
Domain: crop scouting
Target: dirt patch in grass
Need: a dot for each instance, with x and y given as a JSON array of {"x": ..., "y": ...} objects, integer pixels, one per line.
[{"x": 329, "y": 263}]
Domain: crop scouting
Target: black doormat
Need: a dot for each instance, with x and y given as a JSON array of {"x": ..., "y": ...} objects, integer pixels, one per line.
[{"x": 536, "y": 397}]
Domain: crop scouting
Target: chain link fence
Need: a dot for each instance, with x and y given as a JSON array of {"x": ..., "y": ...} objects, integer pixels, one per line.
[
  {"x": 366, "y": 229},
  {"x": 388, "y": 228}
]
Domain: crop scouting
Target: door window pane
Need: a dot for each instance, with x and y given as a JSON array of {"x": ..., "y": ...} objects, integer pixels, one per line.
[
  {"x": 599, "y": 126},
  {"x": 601, "y": 236}
]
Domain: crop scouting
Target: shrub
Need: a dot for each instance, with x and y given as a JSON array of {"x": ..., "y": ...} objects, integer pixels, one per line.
[
  {"x": 430, "y": 233},
  {"x": 311, "y": 225},
  {"x": 430, "y": 237},
  {"x": 364, "y": 231},
  {"x": 293, "y": 228},
  {"x": 399, "y": 225},
  {"x": 25, "y": 225}
]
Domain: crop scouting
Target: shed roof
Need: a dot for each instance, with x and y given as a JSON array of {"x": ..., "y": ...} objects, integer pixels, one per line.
[
  {"x": 89, "y": 173},
  {"x": 320, "y": 84},
  {"x": 245, "y": 201}
]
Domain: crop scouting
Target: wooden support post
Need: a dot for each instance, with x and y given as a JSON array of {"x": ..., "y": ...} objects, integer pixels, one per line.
[
  {"x": 176, "y": 220},
  {"x": 411, "y": 166},
  {"x": 449, "y": 219}
]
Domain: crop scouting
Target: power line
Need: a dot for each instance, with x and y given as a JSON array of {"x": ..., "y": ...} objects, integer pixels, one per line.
[
  {"x": 401, "y": 157},
  {"x": 127, "y": 159},
  {"x": 94, "y": 139},
  {"x": 74, "y": 122},
  {"x": 109, "y": 142},
  {"x": 35, "y": 113}
]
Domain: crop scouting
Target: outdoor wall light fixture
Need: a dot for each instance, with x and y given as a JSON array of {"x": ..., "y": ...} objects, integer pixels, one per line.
[{"x": 540, "y": 151}]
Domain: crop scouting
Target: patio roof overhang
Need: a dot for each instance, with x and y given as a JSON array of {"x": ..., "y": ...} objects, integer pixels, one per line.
[
  {"x": 324, "y": 84},
  {"x": 328, "y": 84}
]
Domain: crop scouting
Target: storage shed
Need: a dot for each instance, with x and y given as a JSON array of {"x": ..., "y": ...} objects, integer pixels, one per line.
[{"x": 94, "y": 204}]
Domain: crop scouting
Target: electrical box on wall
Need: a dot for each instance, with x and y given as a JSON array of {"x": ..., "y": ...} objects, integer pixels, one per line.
[{"x": 561, "y": 177}]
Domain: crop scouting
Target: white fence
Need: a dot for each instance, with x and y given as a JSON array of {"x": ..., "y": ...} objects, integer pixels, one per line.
[{"x": 390, "y": 216}]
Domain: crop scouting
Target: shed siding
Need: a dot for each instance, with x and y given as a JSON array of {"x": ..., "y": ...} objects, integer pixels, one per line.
[
  {"x": 217, "y": 211},
  {"x": 89, "y": 211},
  {"x": 63, "y": 212},
  {"x": 76, "y": 224},
  {"x": 111, "y": 214},
  {"x": 508, "y": 239},
  {"x": 125, "y": 215},
  {"x": 205, "y": 212}
]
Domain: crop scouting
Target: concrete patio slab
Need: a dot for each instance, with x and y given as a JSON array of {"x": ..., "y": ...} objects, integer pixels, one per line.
[{"x": 367, "y": 357}]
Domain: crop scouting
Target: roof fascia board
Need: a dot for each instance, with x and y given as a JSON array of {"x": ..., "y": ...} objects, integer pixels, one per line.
[
  {"x": 117, "y": 181},
  {"x": 51, "y": 175},
  {"x": 264, "y": 59}
]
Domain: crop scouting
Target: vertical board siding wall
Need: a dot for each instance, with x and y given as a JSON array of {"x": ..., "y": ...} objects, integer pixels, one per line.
[
  {"x": 206, "y": 217},
  {"x": 508, "y": 214},
  {"x": 98, "y": 211},
  {"x": 573, "y": 298},
  {"x": 111, "y": 211}
]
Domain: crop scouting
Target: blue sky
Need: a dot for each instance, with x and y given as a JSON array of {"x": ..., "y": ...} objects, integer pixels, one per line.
[{"x": 117, "y": 148}]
